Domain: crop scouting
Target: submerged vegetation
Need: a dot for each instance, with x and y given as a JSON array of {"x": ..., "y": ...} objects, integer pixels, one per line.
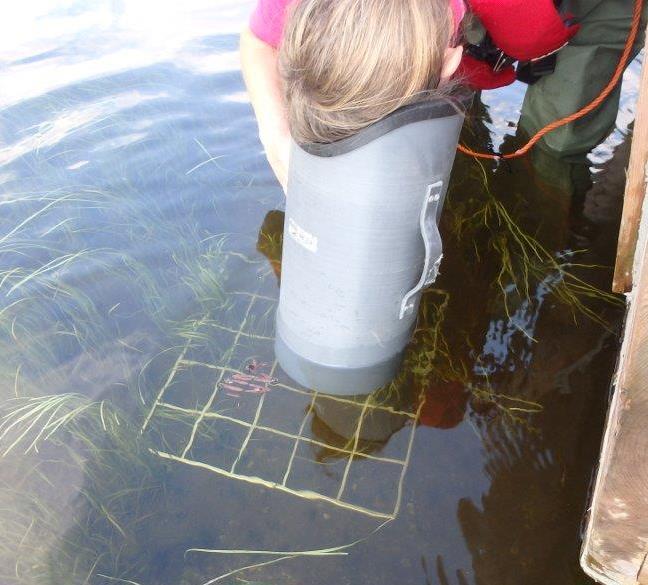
[
  {"x": 80, "y": 328},
  {"x": 524, "y": 262},
  {"x": 112, "y": 485},
  {"x": 81, "y": 323}
]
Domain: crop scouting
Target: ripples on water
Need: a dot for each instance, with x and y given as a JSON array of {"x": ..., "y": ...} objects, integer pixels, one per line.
[{"x": 135, "y": 201}]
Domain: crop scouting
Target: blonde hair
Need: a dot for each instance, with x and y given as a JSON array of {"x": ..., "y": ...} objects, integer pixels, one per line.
[{"x": 348, "y": 63}]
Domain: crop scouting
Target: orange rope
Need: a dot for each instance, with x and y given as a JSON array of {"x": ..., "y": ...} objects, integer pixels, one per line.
[{"x": 605, "y": 92}]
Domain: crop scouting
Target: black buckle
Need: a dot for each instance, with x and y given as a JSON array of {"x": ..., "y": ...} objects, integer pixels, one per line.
[
  {"x": 487, "y": 51},
  {"x": 530, "y": 71}
]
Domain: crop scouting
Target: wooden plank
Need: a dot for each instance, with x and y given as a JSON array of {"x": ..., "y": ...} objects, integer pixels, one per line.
[
  {"x": 635, "y": 188},
  {"x": 616, "y": 540}
]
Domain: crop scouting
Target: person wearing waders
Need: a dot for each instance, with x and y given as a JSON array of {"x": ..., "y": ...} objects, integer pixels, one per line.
[{"x": 566, "y": 50}]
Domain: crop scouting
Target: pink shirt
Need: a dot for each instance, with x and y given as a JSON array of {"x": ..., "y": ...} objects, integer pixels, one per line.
[{"x": 267, "y": 20}]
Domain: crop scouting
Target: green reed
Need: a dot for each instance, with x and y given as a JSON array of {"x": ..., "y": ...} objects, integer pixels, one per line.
[{"x": 523, "y": 260}]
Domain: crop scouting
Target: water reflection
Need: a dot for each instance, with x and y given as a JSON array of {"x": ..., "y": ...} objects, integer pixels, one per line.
[
  {"x": 338, "y": 424},
  {"x": 270, "y": 240},
  {"x": 537, "y": 472}
]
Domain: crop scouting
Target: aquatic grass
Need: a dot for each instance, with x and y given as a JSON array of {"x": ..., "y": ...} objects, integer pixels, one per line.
[
  {"x": 47, "y": 279},
  {"x": 117, "y": 579},
  {"x": 51, "y": 317},
  {"x": 29, "y": 526},
  {"x": 204, "y": 274},
  {"x": 52, "y": 300},
  {"x": 20, "y": 418},
  {"x": 121, "y": 488},
  {"x": 49, "y": 201},
  {"x": 523, "y": 259},
  {"x": 432, "y": 358},
  {"x": 247, "y": 568},
  {"x": 429, "y": 355},
  {"x": 341, "y": 550}
]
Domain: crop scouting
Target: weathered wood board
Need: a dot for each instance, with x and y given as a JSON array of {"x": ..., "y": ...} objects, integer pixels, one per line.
[
  {"x": 615, "y": 550},
  {"x": 634, "y": 190}
]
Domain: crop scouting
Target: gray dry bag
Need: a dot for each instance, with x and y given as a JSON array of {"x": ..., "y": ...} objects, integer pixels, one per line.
[{"x": 360, "y": 243}]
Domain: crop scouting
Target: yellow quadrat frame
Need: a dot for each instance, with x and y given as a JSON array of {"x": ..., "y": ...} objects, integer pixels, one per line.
[{"x": 206, "y": 413}]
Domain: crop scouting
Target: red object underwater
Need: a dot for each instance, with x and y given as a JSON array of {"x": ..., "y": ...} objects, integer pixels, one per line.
[{"x": 445, "y": 405}]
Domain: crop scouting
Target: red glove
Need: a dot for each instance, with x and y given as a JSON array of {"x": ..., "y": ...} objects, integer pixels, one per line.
[
  {"x": 478, "y": 74},
  {"x": 524, "y": 29}
]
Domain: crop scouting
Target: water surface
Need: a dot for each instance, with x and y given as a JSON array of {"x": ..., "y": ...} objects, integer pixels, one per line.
[{"x": 140, "y": 236}]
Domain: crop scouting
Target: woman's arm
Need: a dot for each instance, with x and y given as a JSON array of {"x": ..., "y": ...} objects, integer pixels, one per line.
[{"x": 261, "y": 75}]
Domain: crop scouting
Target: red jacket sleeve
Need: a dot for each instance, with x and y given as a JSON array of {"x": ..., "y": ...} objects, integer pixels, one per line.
[{"x": 524, "y": 29}]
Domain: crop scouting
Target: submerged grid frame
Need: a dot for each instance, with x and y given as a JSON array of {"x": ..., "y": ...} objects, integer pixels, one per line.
[{"x": 204, "y": 414}]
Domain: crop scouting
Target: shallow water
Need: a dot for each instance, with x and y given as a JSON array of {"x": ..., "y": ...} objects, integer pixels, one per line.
[{"x": 140, "y": 235}]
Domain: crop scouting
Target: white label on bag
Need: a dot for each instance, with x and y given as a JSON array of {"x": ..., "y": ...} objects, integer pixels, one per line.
[{"x": 301, "y": 236}]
